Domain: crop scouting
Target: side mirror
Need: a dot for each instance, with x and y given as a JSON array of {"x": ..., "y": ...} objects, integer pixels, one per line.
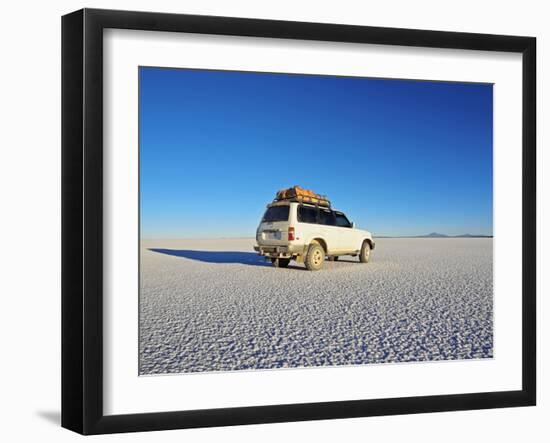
[{"x": 352, "y": 225}]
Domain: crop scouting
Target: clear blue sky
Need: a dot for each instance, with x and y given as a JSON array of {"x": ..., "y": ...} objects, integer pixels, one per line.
[{"x": 399, "y": 157}]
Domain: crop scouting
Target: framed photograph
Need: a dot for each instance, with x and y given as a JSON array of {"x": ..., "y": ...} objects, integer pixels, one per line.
[{"x": 268, "y": 221}]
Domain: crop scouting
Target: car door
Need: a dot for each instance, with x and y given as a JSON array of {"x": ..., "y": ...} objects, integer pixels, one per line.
[
  {"x": 307, "y": 226},
  {"x": 273, "y": 229},
  {"x": 346, "y": 234},
  {"x": 327, "y": 223}
]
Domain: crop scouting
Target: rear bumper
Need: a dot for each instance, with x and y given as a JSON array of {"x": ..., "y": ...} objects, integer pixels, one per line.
[{"x": 285, "y": 251}]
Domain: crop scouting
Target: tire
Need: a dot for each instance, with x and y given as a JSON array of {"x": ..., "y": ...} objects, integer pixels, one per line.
[
  {"x": 315, "y": 257},
  {"x": 280, "y": 262},
  {"x": 364, "y": 255}
]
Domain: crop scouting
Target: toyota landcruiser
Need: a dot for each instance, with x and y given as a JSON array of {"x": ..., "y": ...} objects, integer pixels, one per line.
[{"x": 309, "y": 233}]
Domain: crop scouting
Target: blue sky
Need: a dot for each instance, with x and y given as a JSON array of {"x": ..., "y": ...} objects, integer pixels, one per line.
[{"x": 399, "y": 157}]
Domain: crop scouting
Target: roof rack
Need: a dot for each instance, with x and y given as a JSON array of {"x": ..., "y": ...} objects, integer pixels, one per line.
[
  {"x": 307, "y": 200},
  {"x": 301, "y": 195}
]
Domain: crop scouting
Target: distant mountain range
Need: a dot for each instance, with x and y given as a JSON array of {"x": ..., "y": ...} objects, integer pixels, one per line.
[{"x": 436, "y": 235}]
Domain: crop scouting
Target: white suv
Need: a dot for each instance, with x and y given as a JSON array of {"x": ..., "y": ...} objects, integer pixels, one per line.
[{"x": 309, "y": 233}]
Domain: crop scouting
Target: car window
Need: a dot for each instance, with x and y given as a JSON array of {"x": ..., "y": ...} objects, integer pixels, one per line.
[
  {"x": 276, "y": 213},
  {"x": 307, "y": 214},
  {"x": 326, "y": 217},
  {"x": 342, "y": 220}
]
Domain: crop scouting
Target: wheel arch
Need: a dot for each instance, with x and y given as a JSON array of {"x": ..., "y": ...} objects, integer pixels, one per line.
[
  {"x": 369, "y": 241},
  {"x": 321, "y": 242}
]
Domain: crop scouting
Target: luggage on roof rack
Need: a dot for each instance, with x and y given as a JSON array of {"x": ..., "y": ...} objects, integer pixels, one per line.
[{"x": 298, "y": 194}]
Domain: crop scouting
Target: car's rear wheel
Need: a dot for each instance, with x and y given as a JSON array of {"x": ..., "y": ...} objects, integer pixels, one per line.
[
  {"x": 364, "y": 255},
  {"x": 280, "y": 262},
  {"x": 315, "y": 257}
]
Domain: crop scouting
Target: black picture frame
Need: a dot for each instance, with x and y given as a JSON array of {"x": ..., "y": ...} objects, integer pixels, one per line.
[{"x": 82, "y": 218}]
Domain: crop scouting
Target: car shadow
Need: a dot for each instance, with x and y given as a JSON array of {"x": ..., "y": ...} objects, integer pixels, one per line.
[{"x": 244, "y": 258}]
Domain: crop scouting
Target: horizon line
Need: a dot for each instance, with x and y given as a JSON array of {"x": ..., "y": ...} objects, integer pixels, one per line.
[{"x": 439, "y": 236}]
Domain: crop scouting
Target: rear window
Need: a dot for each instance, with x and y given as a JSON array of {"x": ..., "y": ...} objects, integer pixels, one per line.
[
  {"x": 326, "y": 217},
  {"x": 307, "y": 214},
  {"x": 276, "y": 213}
]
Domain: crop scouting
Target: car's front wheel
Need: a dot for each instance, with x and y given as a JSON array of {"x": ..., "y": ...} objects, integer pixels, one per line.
[
  {"x": 364, "y": 255},
  {"x": 280, "y": 262}
]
